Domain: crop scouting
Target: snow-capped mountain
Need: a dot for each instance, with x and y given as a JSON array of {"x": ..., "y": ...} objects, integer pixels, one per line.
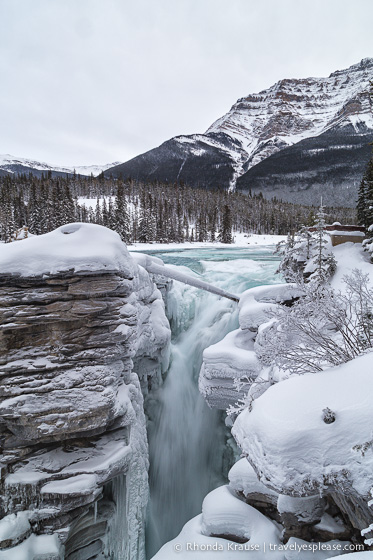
[
  {"x": 319, "y": 129},
  {"x": 11, "y": 164},
  {"x": 292, "y": 110}
]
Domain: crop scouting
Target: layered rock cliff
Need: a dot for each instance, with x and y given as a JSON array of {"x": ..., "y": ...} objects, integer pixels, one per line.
[{"x": 76, "y": 313}]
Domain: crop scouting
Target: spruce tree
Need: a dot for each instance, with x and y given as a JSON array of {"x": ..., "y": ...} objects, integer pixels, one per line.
[
  {"x": 98, "y": 213},
  {"x": 225, "y": 235},
  {"x": 121, "y": 216},
  {"x": 368, "y": 214},
  {"x": 324, "y": 261}
]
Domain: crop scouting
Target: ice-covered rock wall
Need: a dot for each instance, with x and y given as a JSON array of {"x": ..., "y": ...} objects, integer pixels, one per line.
[{"x": 76, "y": 314}]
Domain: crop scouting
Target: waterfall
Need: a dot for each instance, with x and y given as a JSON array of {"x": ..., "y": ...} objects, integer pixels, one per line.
[{"x": 186, "y": 439}]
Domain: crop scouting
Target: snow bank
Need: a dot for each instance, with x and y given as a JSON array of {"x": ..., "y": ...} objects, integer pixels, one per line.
[
  {"x": 14, "y": 526},
  {"x": 224, "y": 514},
  {"x": 256, "y": 303},
  {"x": 350, "y": 256},
  {"x": 77, "y": 247},
  {"x": 292, "y": 448},
  {"x": 239, "y": 240}
]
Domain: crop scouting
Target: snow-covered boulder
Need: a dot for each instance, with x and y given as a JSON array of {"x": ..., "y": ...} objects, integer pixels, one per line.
[
  {"x": 231, "y": 366},
  {"x": 298, "y": 514},
  {"x": 244, "y": 481},
  {"x": 313, "y": 434},
  {"x": 230, "y": 360},
  {"x": 79, "y": 321},
  {"x": 226, "y": 527}
]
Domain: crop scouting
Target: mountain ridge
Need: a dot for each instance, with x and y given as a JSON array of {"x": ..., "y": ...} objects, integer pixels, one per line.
[
  {"x": 269, "y": 142},
  {"x": 11, "y": 164},
  {"x": 262, "y": 124}
]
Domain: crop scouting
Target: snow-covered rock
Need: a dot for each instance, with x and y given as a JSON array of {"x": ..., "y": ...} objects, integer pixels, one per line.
[
  {"x": 296, "y": 452},
  {"x": 244, "y": 481},
  {"x": 79, "y": 319},
  {"x": 231, "y": 366},
  {"x": 226, "y": 527}
]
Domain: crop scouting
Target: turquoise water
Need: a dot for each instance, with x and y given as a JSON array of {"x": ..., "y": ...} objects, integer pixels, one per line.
[
  {"x": 187, "y": 440},
  {"x": 194, "y": 258}
]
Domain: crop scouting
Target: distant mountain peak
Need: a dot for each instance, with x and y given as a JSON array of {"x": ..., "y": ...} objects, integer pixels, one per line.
[{"x": 11, "y": 164}]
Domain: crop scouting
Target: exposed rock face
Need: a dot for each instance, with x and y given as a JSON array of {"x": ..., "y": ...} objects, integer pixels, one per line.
[
  {"x": 297, "y": 140},
  {"x": 73, "y": 439}
]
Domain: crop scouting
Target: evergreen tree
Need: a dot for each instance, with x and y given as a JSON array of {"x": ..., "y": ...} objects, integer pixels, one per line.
[
  {"x": 122, "y": 221},
  {"x": 225, "y": 235},
  {"x": 361, "y": 207},
  {"x": 104, "y": 213},
  {"x": 212, "y": 216},
  {"x": 324, "y": 261},
  {"x": 368, "y": 214}
]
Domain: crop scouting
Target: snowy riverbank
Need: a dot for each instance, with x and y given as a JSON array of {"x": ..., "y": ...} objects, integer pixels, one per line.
[{"x": 241, "y": 240}]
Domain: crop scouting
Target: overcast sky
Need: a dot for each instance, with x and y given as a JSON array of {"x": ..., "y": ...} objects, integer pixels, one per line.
[{"x": 97, "y": 81}]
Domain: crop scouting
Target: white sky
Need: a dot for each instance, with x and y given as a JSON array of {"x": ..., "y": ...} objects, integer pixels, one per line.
[{"x": 95, "y": 81}]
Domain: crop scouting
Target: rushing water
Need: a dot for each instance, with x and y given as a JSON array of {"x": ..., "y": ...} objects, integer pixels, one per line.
[{"x": 187, "y": 440}]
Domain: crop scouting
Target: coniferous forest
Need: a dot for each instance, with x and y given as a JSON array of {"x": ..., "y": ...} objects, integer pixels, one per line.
[{"x": 146, "y": 212}]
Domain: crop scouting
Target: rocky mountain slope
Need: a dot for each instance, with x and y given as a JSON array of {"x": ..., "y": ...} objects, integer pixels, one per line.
[
  {"x": 332, "y": 115},
  {"x": 10, "y": 164}
]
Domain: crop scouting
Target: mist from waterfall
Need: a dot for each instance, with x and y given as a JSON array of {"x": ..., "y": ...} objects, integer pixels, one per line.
[{"x": 187, "y": 440}]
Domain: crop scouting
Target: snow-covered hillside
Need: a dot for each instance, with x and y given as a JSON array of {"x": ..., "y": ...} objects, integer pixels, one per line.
[{"x": 11, "y": 164}]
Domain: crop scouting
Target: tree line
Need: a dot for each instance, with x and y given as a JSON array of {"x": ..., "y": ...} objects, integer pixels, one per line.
[{"x": 147, "y": 212}]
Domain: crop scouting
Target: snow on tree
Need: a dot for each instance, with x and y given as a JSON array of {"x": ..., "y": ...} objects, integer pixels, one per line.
[
  {"x": 324, "y": 328},
  {"x": 43, "y": 203},
  {"x": 323, "y": 258},
  {"x": 308, "y": 254},
  {"x": 365, "y": 205}
]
